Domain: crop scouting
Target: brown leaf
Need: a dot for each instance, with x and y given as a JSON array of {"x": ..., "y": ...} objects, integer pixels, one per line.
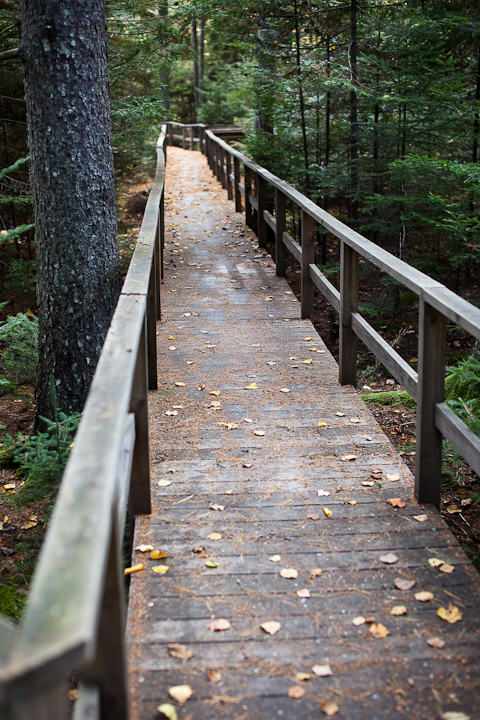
[
  {"x": 215, "y": 506},
  {"x": 329, "y": 707},
  {"x": 289, "y": 573},
  {"x": 404, "y": 584},
  {"x": 214, "y": 676},
  {"x": 446, "y": 568},
  {"x": 182, "y": 652},
  {"x": 271, "y": 627},
  {"x": 424, "y": 596},
  {"x": 322, "y": 670},
  {"x": 388, "y": 559},
  {"x": 378, "y": 631},
  {"x": 451, "y": 614},
  {"x": 295, "y": 691},
  {"x": 397, "y": 502},
  {"x": 436, "y": 642},
  {"x": 315, "y": 572},
  {"x": 313, "y": 516},
  {"x": 180, "y": 693},
  {"x": 420, "y": 518},
  {"x": 398, "y": 610},
  {"x": 199, "y": 549},
  {"x": 220, "y": 624}
]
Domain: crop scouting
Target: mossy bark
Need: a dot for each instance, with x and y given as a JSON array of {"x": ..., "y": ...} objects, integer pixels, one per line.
[{"x": 64, "y": 51}]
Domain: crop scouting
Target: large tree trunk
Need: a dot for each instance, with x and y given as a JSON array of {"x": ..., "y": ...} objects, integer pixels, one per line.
[{"x": 68, "y": 111}]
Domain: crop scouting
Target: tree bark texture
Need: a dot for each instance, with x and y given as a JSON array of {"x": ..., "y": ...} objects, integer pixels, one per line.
[{"x": 67, "y": 95}]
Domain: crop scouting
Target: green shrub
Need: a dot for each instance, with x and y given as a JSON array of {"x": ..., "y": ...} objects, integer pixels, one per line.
[
  {"x": 393, "y": 397},
  {"x": 18, "y": 343}
]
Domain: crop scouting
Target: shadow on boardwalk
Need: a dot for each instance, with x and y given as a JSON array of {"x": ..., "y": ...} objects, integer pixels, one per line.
[{"x": 251, "y": 485}]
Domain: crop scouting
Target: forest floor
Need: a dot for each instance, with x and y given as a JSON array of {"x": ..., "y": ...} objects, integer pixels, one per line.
[{"x": 460, "y": 506}]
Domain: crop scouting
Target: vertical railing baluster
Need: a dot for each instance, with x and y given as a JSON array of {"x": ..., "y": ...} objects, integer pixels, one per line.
[
  {"x": 348, "y": 305},
  {"x": 281, "y": 220},
  {"x": 228, "y": 162},
  {"x": 192, "y": 135},
  {"x": 248, "y": 175},
  {"x": 238, "y": 194},
  {"x": 139, "y": 503},
  {"x": 151, "y": 314},
  {"x": 262, "y": 205},
  {"x": 170, "y": 133},
  {"x": 308, "y": 257},
  {"x": 184, "y": 133},
  {"x": 432, "y": 343}
]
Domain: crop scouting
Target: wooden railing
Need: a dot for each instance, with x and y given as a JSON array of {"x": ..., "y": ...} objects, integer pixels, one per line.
[
  {"x": 75, "y": 617},
  {"x": 437, "y": 304}
]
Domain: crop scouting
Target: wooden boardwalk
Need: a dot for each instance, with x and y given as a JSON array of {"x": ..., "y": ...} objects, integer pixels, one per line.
[{"x": 253, "y": 468}]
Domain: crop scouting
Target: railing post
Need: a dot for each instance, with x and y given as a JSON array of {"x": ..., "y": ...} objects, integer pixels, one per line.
[
  {"x": 152, "y": 329},
  {"x": 262, "y": 205},
  {"x": 170, "y": 133},
  {"x": 161, "y": 226},
  {"x": 348, "y": 305},
  {"x": 248, "y": 175},
  {"x": 228, "y": 162},
  {"x": 223, "y": 172},
  {"x": 281, "y": 221},
  {"x": 184, "y": 133},
  {"x": 157, "y": 269},
  {"x": 238, "y": 194},
  {"x": 432, "y": 341},
  {"x": 139, "y": 501},
  {"x": 308, "y": 257},
  {"x": 192, "y": 135}
]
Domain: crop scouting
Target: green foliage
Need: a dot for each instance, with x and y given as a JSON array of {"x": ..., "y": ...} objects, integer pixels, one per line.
[
  {"x": 462, "y": 391},
  {"x": 11, "y": 603},
  {"x": 41, "y": 458},
  {"x": 391, "y": 399},
  {"x": 227, "y": 95},
  {"x": 18, "y": 342}
]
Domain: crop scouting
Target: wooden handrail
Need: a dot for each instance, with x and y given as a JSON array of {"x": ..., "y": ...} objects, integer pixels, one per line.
[
  {"x": 75, "y": 613},
  {"x": 436, "y": 304}
]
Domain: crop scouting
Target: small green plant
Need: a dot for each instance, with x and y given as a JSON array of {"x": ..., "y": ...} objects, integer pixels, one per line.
[
  {"x": 390, "y": 398},
  {"x": 41, "y": 458},
  {"x": 18, "y": 348}
]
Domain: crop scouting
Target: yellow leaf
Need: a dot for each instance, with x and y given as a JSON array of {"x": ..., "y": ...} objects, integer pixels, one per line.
[
  {"x": 164, "y": 483},
  {"x": 29, "y": 525},
  {"x": 215, "y": 536},
  {"x": 378, "y": 631},
  {"x": 253, "y": 386},
  {"x": 268, "y": 299},
  {"x": 165, "y": 710},
  {"x": 308, "y": 338},
  {"x": 452, "y": 509},
  {"x": 451, "y": 614},
  {"x": 170, "y": 337},
  {"x": 181, "y": 693},
  {"x": 354, "y": 420},
  {"x": 160, "y": 569},
  {"x": 351, "y": 502},
  {"x": 214, "y": 392},
  {"x": 307, "y": 362},
  {"x": 302, "y": 676},
  {"x": 327, "y": 512},
  {"x": 398, "y": 610},
  {"x": 157, "y": 555},
  {"x": 211, "y": 564},
  {"x": 435, "y": 562},
  {"x": 271, "y": 627},
  {"x": 180, "y": 384},
  {"x": 275, "y": 558},
  {"x": 322, "y": 423},
  {"x": 133, "y": 569}
]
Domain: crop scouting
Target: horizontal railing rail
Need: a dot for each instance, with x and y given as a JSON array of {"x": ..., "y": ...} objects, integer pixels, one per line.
[
  {"x": 437, "y": 303},
  {"x": 75, "y": 616}
]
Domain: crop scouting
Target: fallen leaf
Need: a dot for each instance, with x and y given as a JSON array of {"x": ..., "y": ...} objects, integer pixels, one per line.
[
  {"x": 160, "y": 569},
  {"x": 211, "y": 564},
  {"x": 133, "y": 569},
  {"x": 307, "y": 339},
  {"x": 259, "y": 433},
  {"x": 214, "y": 392},
  {"x": 436, "y": 642},
  {"x": 170, "y": 337},
  {"x": 157, "y": 555},
  {"x": 304, "y": 593},
  {"x": 268, "y": 299},
  {"x": 327, "y": 512},
  {"x": 313, "y": 516},
  {"x": 322, "y": 670},
  {"x": 424, "y": 596},
  {"x": 253, "y": 386},
  {"x": 404, "y": 584},
  {"x": 368, "y": 483},
  {"x": 315, "y": 572},
  {"x": 393, "y": 478},
  {"x": 378, "y": 631},
  {"x": 220, "y": 624},
  {"x": 180, "y": 384},
  {"x": 215, "y": 536},
  {"x": 435, "y": 562},
  {"x": 397, "y": 502},
  {"x": 189, "y": 362},
  {"x": 199, "y": 549},
  {"x": 217, "y": 507},
  {"x": 271, "y": 627},
  {"x": 354, "y": 420},
  {"x": 452, "y": 509},
  {"x": 201, "y": 386},
  {"x": 467, "y": 501},
  {"x": 351, "y": 502},
  {"x": 285, "y": 390},
  {"x": 28, "y": 525},
  {"x": 446, "y": 568},
  {"x": 144, "y": 548},
  {"x": 171, "y": 412},
  {"x": 398, "y": 610},
  {"x": 323, "y": 493},
  {"x": 302, "y": 676},
  {"x": 322, "y": 423},
  {"x": 348, "y": 458},
  {"x": 247, "y": 420},
  {"x": 228, "y": 492},
  {"x": 182, "y": 652},
  {"x": 247, "y": 465},
  {"x": 230, "y": 426},
  {"x": 180, "y": 693},
  {"x": 214, "y": 676},
  {"x": 420, "y": 518},
  {"x": 388, "y": 559},
  {"x": 451, "y": 614},
  {"x": 329, "y": 708},
  {"x": 289, "y": 573},
  {"x": 165, "y": 710},
  {"x": 295, "y": 691},
  {"x": 275, "y": 558},
  {"x": 340, "y": 414},
  {"x": 172, "y": 347},
  {"x": 359, "y": 620},
  {"x": 164, "y": 483},
  {"x": 453, "y": 715},
  {"x": 307, "y": 362}
]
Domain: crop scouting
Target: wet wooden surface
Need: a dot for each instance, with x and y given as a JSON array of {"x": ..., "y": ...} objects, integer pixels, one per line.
[{"x": 233, "y": 323}]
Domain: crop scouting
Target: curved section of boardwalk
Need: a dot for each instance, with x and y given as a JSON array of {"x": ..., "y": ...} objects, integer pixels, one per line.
[{"x": 252, "y": 476}]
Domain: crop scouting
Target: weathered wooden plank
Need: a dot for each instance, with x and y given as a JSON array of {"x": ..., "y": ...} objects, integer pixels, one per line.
[
  {"x": 270, "y": 220},
  {"x": 325, "y": 286},
  {"x": 87, "y": 706},
  {"x": 292, "y": 246},
  {"x": 261, "y": 209},
  {"x": 348, "y": 305},
  {"x": 461, "y": 437},
  {"x": 253, "y": 202}
]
